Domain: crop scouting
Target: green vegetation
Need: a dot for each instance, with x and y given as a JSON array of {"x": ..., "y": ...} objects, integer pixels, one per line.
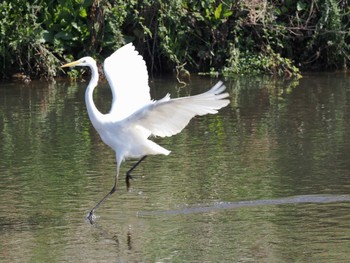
[{"x": 210, "y": 36}]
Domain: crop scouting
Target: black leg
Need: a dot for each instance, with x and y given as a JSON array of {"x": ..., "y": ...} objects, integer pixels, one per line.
[
  {"x": 90, "y": 216},
  {"x": 91, "y": 213},
  {"x": 128, "y": 175}
]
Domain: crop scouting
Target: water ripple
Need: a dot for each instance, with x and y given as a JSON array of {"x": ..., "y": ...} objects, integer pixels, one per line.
[{"x": 217, "y": 206}]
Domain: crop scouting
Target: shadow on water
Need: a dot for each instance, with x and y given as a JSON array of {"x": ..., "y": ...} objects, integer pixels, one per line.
[
  {"x": 197, "y": 223},
  {"x": 277, "y": 138},
  {"x": 218, "y": 206}
]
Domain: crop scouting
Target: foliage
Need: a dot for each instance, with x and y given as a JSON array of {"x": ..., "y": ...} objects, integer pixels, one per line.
[
  {"x": 22, "y": 42},
  {"x": 212, "y": 36}
]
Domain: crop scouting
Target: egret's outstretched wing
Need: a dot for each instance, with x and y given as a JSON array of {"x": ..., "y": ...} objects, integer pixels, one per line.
[
  {"x": 127, "y": 75},
  {"x": 167, "y": 117}
]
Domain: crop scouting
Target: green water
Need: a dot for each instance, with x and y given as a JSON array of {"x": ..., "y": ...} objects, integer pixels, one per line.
[{"x": 265, "y": 180}]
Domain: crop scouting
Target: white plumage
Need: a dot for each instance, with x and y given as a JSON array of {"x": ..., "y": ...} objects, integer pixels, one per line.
[
  {"x": 127, "y": 75},
  {"x": 134, "y": 117}
]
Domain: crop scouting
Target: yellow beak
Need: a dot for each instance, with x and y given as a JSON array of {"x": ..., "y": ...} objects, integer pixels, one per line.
[{"x": 71, "y": 64}]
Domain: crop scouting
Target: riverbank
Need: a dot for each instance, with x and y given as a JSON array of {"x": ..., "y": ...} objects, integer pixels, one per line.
[{"x": 212, "y": 37}]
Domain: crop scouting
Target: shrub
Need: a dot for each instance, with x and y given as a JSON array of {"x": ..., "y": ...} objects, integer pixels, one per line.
[{"x": 211, "y": 36}]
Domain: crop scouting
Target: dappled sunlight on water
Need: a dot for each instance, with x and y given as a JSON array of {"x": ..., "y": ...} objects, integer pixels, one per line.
[{"x": 265, "y": 180}]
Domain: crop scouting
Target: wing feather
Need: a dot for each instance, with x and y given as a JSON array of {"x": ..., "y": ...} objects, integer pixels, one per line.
[
  {"x": 127, "y": 75},
  {"x": 167, "y": 117}
]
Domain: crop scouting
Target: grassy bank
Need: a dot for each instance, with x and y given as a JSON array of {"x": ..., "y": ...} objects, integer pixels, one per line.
[{"x": 214, "y": 37}]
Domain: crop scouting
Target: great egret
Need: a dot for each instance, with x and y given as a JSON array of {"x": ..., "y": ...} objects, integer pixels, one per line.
[{"x": 134, "y": 117}]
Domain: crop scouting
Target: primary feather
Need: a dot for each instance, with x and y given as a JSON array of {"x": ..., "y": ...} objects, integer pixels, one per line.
[
  {"x": 134, "y": 117},
  {"x": 168, "y": 117},
  {"x": 127, "y": 75}
]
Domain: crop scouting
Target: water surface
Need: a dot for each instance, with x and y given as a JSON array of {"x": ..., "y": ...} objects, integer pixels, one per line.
[{"x": 265, "y": 180}]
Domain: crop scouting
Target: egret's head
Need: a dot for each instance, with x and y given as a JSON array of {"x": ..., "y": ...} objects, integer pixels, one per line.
[{"x": 85, "y": 61}]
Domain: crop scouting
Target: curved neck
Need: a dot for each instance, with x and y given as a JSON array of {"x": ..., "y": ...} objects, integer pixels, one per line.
[{"x": 94, "y": 114}]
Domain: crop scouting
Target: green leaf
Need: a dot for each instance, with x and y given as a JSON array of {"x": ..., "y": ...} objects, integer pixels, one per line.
[
  {"x": 301, "y": 6},
  {"x": 218, "y": 10},
  {"x": 227, "y": 13},
  {"x": 83, "y": 13},
  {"x": 64, "y": 35},
  {"x": 87, "y": 3},
  {"x": 47, "y": 36}
]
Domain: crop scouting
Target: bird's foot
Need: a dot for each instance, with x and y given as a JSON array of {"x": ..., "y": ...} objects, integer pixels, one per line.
[
  {"x": 127, "y": 180},
  {"x": 91, "y": 217}
]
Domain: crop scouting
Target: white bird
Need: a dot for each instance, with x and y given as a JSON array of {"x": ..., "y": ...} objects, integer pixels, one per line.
[{"x": 134, "y": 117}]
